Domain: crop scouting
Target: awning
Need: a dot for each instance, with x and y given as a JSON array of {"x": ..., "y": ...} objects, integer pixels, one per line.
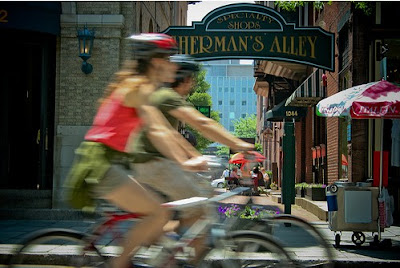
[
  {"x": 309, "y": 93},
  {"x": 281, "y": 112}
]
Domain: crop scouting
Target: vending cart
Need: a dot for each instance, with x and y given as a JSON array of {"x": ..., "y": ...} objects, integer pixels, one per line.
[{"x": 356, "y": 211}]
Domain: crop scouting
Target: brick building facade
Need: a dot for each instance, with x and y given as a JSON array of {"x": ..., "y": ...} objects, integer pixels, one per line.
[
  {"x": 60, "y": 100},
  {"x": 349, "y": 143}
]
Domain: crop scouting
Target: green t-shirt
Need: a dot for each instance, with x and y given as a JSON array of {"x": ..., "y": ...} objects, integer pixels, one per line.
[{"x": 165, "y": 99}]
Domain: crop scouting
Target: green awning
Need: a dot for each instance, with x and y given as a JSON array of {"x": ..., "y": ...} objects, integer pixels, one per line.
[
  {"x": 281, "y": 112},
  {"x": 309, "y": 93}
]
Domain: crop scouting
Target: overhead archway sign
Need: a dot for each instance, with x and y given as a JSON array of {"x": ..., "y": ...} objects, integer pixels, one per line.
[{"x": 251, "y": 31}]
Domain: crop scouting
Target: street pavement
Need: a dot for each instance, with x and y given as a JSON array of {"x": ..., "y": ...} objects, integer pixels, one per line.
[{"x": 12, "y": 233}]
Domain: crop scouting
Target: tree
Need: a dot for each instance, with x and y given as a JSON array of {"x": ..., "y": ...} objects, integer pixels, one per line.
[
  {"x": 200, "y": 97},
  {"x": 244, "y": 128}
]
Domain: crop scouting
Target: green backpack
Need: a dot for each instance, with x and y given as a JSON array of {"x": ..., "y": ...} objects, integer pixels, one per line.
[{"x": 89, "y": 167}]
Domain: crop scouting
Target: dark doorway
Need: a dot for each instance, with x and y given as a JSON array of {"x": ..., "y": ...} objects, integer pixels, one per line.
[{"x": 27, "y": 78}]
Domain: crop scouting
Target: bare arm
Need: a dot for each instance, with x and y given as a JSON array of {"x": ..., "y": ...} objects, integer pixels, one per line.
[
  {"x": 169, "y": 141},
  {"x": 209, "y": 128}
]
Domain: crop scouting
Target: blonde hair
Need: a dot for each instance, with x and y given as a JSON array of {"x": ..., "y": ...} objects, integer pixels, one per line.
[{"x": 128, "y": 70}]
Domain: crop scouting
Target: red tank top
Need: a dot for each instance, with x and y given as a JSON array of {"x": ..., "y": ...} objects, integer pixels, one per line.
[{"x": 113, "y": 124}]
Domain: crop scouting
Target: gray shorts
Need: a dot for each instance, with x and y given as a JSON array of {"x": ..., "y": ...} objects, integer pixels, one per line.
[
  {"x": 166, "y": 177},
  {"x": 116, "y": 176}
]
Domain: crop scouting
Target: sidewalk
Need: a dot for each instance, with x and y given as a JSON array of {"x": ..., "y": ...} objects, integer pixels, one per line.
[{"x": 12, "y": 233}]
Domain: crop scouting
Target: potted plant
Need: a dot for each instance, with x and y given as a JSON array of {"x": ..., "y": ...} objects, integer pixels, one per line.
[
  {"x": 273, "y": 186},
  {"x": 316, "y": 192},
  {"x": 300, "y": 189}
]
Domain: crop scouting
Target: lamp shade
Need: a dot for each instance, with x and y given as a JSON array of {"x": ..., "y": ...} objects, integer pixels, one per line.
[{"x": 85, "y": 39}]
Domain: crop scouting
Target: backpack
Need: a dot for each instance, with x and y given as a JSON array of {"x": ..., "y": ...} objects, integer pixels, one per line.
[{"x": 89, "y": 167}]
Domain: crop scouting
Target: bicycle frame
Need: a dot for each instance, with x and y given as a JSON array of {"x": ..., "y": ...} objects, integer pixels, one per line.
[{"x": 199, "y": 227}]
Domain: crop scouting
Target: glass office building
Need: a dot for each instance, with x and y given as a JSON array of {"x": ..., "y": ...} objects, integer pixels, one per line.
[{"x": 231, "y": 90}]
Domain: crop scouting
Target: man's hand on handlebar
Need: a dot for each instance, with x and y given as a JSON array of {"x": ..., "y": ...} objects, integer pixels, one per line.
[
  {"x": 244, "y": 146},
  {"x": 195, "y": 164}
]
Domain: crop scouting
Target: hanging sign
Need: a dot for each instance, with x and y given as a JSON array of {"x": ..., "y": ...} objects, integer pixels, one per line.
[{"x": 254, "y": 32}]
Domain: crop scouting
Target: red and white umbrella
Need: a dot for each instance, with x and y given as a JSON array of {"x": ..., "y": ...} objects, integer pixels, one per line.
[
  {"x": 381, "y": 100},
  {"x": 373, "y": 100},
  {"x": 376, "y": 100},
  {"x": 250, "y": 156}
]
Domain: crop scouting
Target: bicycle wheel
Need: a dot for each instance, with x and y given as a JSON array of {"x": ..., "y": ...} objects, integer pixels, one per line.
[
  {"x": 289, "y": 229},
  {"x": 56, "y": 248},
  {"x": 248, "y": 249}
]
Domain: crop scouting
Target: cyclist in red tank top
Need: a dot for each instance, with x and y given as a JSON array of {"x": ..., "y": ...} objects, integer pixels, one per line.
[{"x": 100, "y": 169}]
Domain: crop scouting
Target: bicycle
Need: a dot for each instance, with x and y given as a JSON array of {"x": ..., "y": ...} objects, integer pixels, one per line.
[{"x": 226, "y": 249}]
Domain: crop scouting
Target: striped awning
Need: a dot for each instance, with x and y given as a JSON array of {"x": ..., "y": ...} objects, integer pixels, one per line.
[{"x": 309, "y": 93}]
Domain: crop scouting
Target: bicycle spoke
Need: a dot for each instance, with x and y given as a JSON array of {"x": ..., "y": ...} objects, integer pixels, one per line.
[
  {"x": 248, "y": 250},
  {"x": 56, "y": 249}
]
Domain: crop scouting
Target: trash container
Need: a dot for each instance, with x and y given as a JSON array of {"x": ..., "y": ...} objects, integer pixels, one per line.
[{"x": 331, "y": 197}]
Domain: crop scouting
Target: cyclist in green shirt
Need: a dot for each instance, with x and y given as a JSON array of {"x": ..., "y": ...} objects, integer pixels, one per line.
[{"x": 157, "y": 172}]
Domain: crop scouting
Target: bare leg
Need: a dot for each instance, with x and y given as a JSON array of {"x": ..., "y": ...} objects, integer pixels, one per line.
[
  {"x": 199, "y": 243},
  {"x": 132, "y": 197}
]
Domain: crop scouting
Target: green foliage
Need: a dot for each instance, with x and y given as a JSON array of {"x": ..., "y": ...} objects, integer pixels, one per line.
[
  {"x": 366, "y": 6},
  {"x": 312, "y": 185},
  {"x": 250, "y": 213},
  {"x": 246, "y": 127},
  {"x": 201, "y": 85},
  {"x": 258, "y": 147},
  {"x": 301, "y": 185},
  {"x": 223, "y": 150},
  {"x": 292, "y": 5},
  {"x": 200, "y": 97}
]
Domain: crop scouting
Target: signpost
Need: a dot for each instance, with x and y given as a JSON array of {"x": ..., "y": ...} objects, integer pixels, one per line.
[
  {"x": 255, "y": 32},
  {"x": 251, "y": 31}
]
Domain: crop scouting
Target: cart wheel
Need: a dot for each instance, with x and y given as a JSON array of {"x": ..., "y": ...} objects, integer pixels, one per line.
[
  {"x": 334, "y": 188},
  {"x": 358, "y": 238},
  {"x": 337, "y": 240}
]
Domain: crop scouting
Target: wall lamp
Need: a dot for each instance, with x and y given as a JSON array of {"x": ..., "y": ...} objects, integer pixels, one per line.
[{"x": 85, "y": 39}]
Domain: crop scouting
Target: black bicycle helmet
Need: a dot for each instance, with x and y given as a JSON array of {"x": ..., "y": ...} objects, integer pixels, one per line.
[
  {"x": 148, "y": 45},
  {"x": 187, "y": 65}
]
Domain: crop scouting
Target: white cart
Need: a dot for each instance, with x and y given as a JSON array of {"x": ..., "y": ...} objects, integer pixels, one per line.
[{"x": 357, "y": 211}]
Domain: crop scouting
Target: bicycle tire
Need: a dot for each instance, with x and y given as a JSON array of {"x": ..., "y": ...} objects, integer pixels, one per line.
[
  {"x": 248, "y": 249},
  {"x": 56, "y": 247},
  {"x": 328, "y": 256}
]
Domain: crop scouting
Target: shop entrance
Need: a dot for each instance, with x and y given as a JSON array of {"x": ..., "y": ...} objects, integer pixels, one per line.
[{"x": 27, "y": 75}]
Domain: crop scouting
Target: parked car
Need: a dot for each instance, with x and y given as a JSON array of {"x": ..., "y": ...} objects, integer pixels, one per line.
[{"x": 218, "y": 183}]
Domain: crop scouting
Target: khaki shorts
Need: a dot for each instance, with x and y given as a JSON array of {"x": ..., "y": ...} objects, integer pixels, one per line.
[
  {"x": 116, "y": 176},
  {"x": 166, "y": 177}
]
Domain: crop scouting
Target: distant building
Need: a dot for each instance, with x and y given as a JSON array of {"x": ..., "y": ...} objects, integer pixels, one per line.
[{"x": 231, "y": 90}]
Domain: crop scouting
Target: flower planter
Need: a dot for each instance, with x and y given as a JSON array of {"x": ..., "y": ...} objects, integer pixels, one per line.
[
  {"x": 316, "y": 193},
  {"x": 259, "y": 225},
  {"x": 236, "y": 217},
  {"x": 300, "y": 192}
]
